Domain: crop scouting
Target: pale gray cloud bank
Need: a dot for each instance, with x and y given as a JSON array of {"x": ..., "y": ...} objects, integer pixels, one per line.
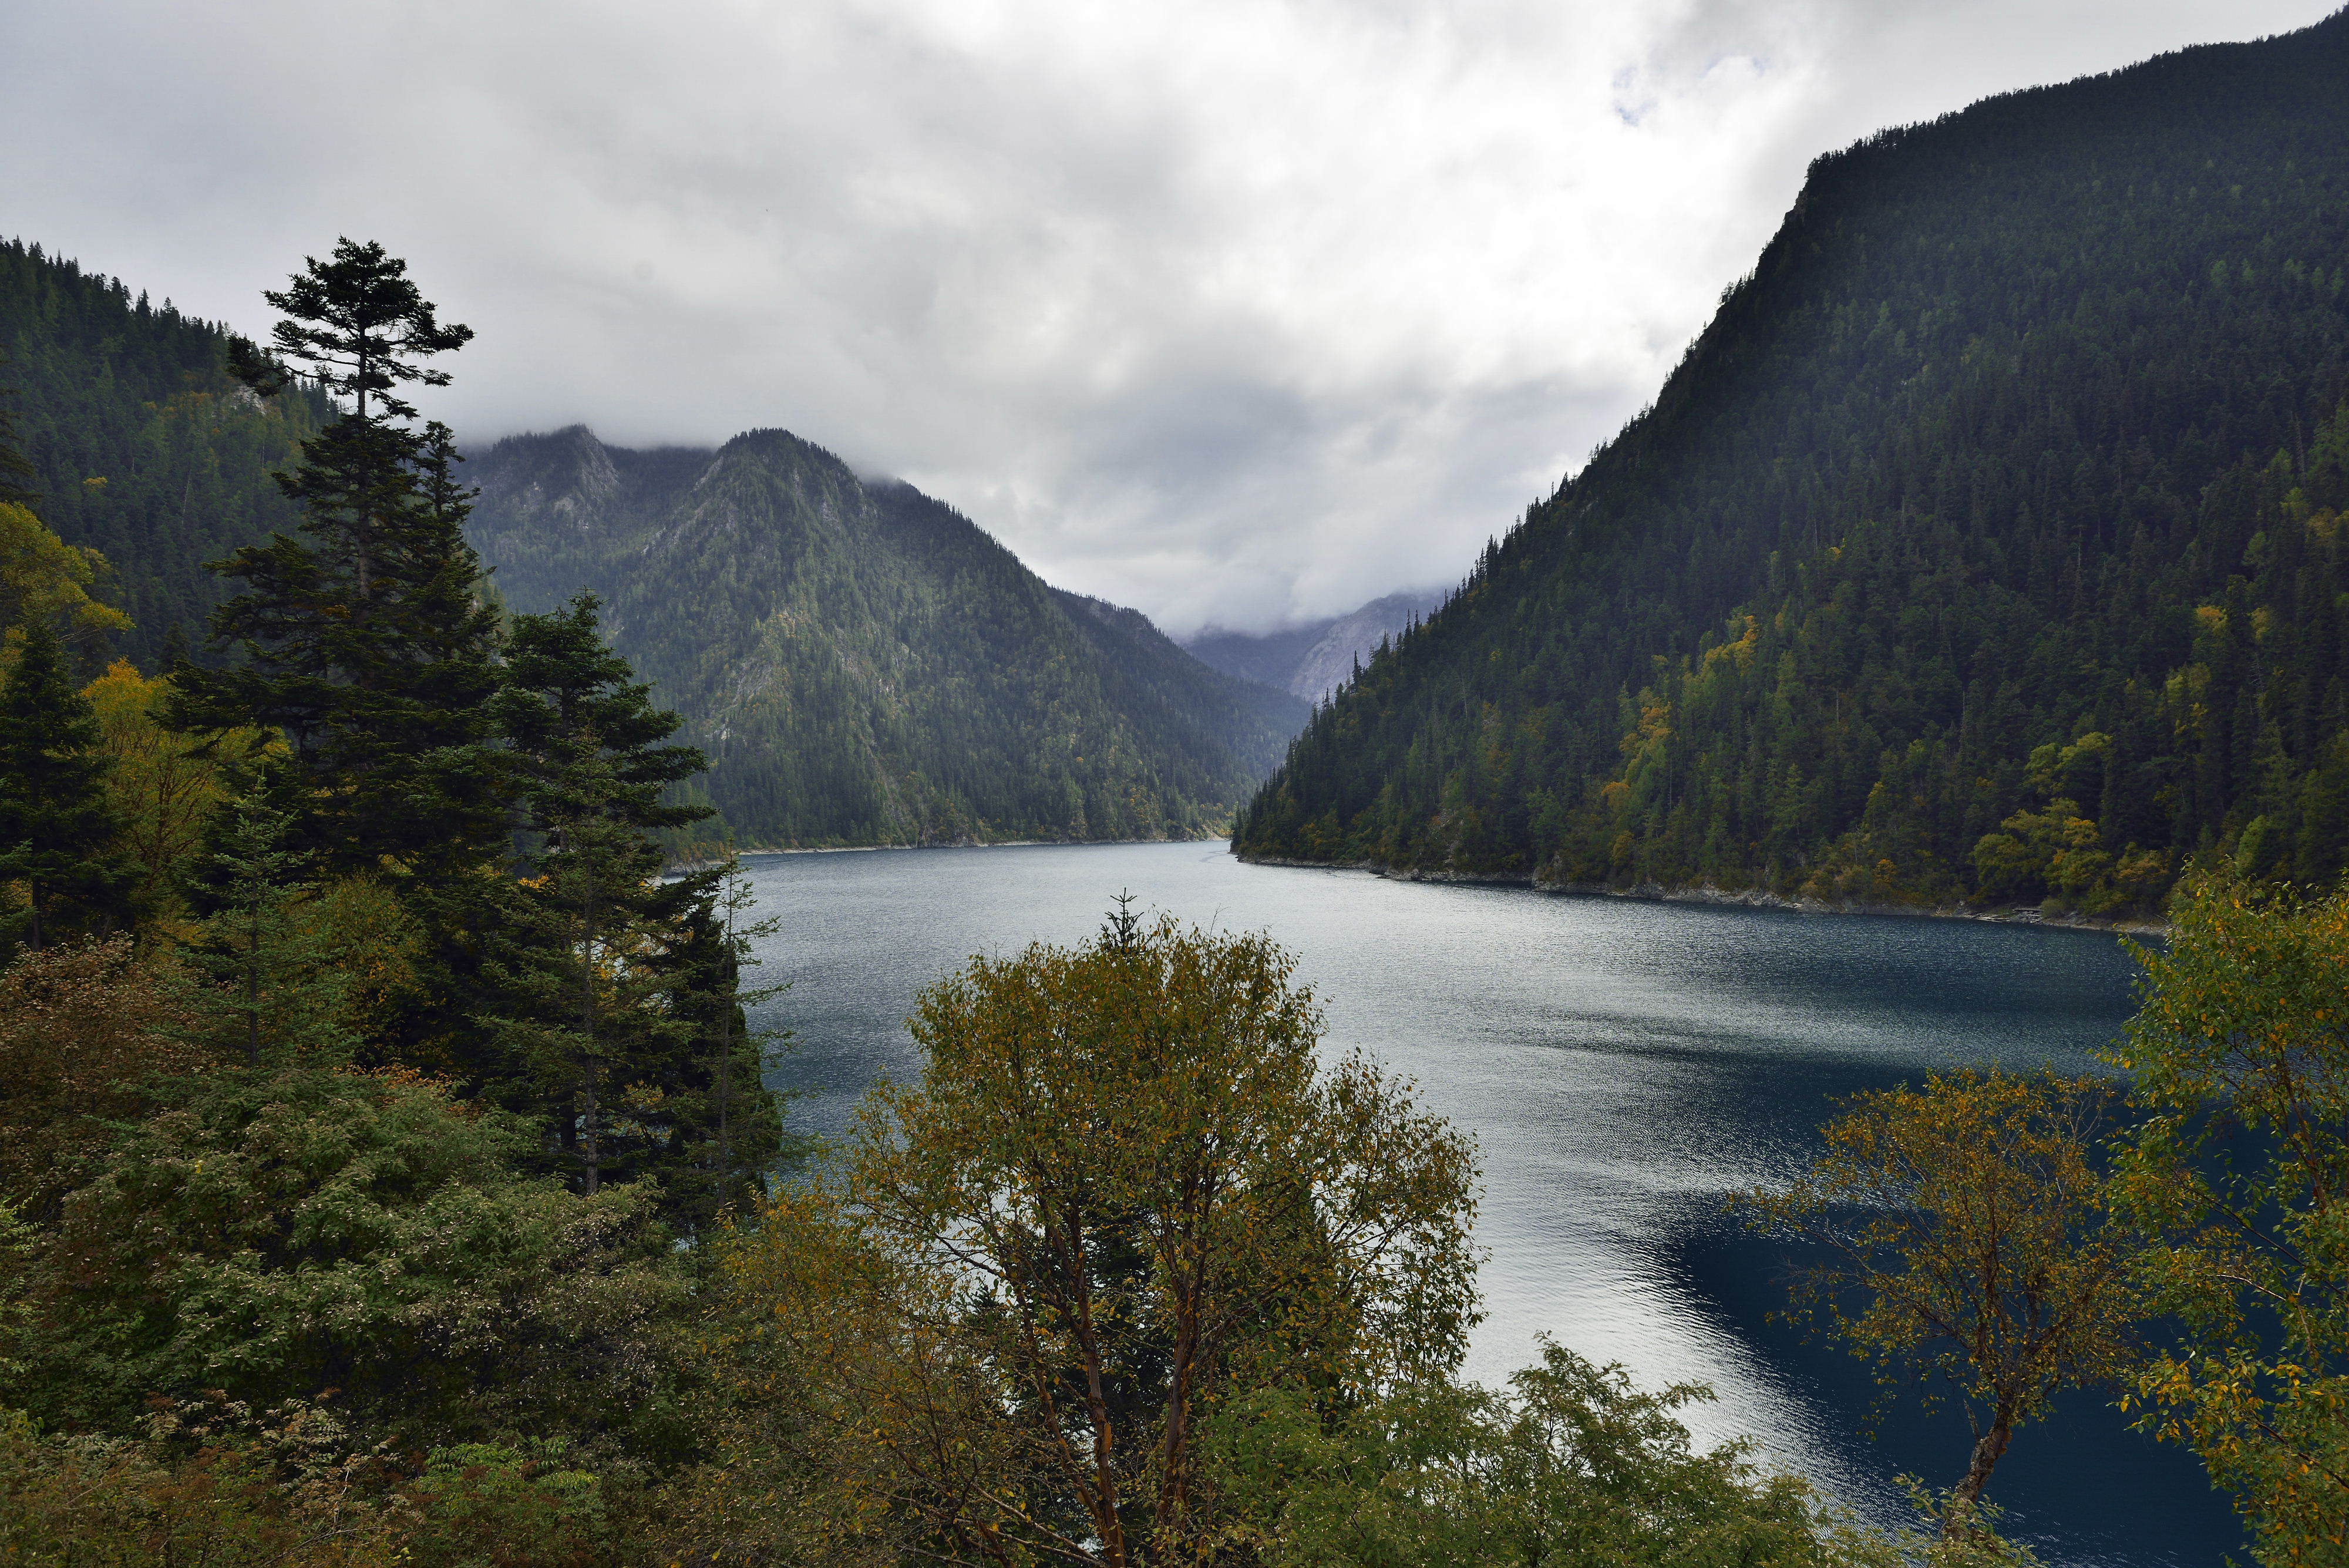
[{"x": 1239, "y": 311}]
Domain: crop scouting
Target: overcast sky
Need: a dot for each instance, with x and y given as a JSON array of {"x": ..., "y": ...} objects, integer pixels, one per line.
[{"x": 1238, "y": 311}]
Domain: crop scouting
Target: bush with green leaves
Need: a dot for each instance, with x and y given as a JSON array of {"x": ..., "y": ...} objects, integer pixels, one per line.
[
  {"x": 1575, "y": 1464},
  {"x": 279, "y": 1236}
]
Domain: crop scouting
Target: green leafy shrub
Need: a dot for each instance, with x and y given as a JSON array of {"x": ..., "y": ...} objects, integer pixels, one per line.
[{"x": 279, "y": 1236}]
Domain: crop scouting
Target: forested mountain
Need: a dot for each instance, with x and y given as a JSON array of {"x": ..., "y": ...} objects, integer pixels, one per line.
[
  {"x": 862, "y": 663},
  {"x": 1987, "y": 545},
  {"x": 869, "y": 667},
  {"x": 145, "y": 449},
  {"x": 1268, "y": 658},
  {"x": 1314, "y": 659},
  {"x": 1148, "y": 675}
]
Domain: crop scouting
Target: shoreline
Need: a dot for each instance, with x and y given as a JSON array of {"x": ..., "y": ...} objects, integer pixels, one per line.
[
  {"x": 971, "y": 844},
  {"x": 1749, "y": 898},
  {"x": 1704, "y": 893}
]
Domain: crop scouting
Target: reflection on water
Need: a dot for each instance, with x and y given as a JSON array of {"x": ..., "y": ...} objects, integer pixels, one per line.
[{"x": 1623, "y": 1065}]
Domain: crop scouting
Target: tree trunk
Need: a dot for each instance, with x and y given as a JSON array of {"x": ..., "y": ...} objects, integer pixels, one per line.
[
  {"x": 590, "y": 1150},
  {"x": 1106, "y": 1518},
  {"x": 1174, "y": 1490},
  {"x": 1988, "y": 1448}
]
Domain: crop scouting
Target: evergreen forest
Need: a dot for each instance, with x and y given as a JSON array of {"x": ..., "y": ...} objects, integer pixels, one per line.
[
  {"x": 388, "y": 1169},
  {"x": 862, "y": 663},
  {"x": 1985, "y": 550},
  {"x": 143, "y": 447}
]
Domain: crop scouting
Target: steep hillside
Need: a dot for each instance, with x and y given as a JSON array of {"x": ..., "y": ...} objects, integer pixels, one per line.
[
  {"x": 1268, "y": 658},
  {"x": 863, "y": 664},
  {"x": 1985, "y": 546},
  {"x": 145, "y": 449},
  {"x": 1148, "y": 675},
  {"x": 1351, "y": 640},
  {"x": 1313, "y": 661}
]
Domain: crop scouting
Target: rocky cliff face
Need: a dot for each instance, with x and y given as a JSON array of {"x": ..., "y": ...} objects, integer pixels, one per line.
[
  {"x": 1350, "y": 640},
  {"x": 1313, "y": 661},
  {"x": 863, "y": 664}
]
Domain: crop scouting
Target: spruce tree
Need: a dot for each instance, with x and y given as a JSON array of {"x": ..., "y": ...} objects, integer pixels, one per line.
[
  {"x": 275, "y": 994},
  {"x": 56, "y": 829},
  {"x": 362, "y": 640},
  {"x": 584, "y": 1005},
  {"x": 727, "y": 1125}
]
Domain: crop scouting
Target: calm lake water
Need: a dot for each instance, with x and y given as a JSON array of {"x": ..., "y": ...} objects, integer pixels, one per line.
[{"x": 1622, "y": 1065}]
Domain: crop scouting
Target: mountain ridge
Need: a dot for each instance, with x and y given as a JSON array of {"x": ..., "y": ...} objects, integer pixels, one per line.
[
  {"x": 1314, "y": 659},
  {"x": 862, "y": 663},
  {"x": 1978, "y": 550}
]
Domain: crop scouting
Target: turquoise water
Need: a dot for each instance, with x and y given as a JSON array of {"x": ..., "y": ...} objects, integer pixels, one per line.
[{"x": 1622, "y": 1065}]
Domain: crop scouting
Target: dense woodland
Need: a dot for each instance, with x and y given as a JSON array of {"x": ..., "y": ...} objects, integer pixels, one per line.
[
  {"x": 143, "y": 447},
  {"x": 862, "y": 663},
  {"x": 387, "y": 1173},
  {"x": 1985, "y": 546}
]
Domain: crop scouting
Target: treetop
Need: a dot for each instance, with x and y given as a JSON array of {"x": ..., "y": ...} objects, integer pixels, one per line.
[{"x": 359, "y": 323}]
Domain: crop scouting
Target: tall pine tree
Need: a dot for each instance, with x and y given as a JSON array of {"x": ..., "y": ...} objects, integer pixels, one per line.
[
  {"x": 363, "y": 639},
  {"x": 583, "y": 962},
  {"x": 57, "y": 830}
]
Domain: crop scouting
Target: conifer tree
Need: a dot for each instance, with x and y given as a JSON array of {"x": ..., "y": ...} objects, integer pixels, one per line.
[
  {"x": 363, "y": 639},
  {"x": 585, "y": 1004},
  {"x": 728, "y": 1130},
  {"x": 275, "y": 991},
  {"x": 56, "y": 829}
]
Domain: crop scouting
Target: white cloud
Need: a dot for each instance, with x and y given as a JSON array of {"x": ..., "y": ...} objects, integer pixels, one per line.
[{"x": 1239, "y": 310}]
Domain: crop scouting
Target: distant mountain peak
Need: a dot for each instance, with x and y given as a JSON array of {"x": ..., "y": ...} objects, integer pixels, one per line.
[
  {"x": 1313, "y": 661},
  {"x": 863, "y": 663}
]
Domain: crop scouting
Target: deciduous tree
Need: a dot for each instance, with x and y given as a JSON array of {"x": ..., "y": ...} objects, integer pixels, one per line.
[
  {"x": 84, "y": 1030},
  {"x": 44, "y": 579},
  {"x": 1971, "y": 1246},
  {"x": 280, "y": 1234},
  {"x": 163, "y": 785},
  {"x": 1123, "y": 1191},
  {"x": 1573, "y": 1464},
  {"x": 2239, "y": 1178}
]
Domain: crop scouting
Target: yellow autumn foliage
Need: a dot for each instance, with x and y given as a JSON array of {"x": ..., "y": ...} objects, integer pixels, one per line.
[
  {"x": 42, "y": 578},
  {"x": 2239, "y": 1178},
  {"x": 162, "y": 785}
]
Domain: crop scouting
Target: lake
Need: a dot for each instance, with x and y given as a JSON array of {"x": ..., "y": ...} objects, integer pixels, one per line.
[{"x": 1622, "y": 1065}]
